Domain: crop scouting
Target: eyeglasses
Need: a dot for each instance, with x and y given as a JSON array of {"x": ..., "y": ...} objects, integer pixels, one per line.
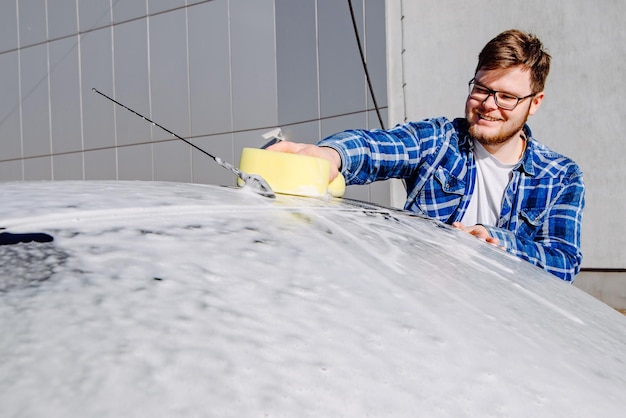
[{"x": 506, "y": 101}]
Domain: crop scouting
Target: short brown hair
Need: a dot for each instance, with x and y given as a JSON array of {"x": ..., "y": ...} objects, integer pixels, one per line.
[{"x": 512, "y": 48}]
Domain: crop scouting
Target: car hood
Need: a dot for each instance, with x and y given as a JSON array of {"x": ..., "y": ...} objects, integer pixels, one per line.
[{"x": 169, "y": 299}]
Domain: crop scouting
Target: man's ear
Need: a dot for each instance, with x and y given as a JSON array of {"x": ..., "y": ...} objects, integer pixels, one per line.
[{"x": 535, "y": 102}]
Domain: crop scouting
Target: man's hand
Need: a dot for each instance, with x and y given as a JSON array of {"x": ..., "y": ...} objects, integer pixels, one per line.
[
  {"x": 478, "y": 231},
  {"x": 314, "y": 151}
]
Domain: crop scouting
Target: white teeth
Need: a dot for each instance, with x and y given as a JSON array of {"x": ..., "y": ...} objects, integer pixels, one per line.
[{"x": 488, "y": 118}]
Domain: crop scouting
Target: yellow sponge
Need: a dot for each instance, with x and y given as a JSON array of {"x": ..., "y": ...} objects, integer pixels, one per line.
[
  {"x": 294, "y": 174},
  {"x": 337, "y": 187}
]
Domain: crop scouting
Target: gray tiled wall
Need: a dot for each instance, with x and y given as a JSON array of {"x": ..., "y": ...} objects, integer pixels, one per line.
[{"x": 218, "y": 72}]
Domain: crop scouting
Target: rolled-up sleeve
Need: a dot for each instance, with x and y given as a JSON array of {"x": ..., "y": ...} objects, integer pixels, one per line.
[{"x": 369, "y": 156}]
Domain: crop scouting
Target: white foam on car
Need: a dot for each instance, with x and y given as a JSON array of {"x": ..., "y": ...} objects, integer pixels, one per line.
[{"x": 189, "y": 300}]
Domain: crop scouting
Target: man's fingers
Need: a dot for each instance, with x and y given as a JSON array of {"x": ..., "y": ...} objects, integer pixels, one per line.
[
  {"x": 459, "y": 225},
  {"x": 311, "y": 150},
  {"x": 297, "y": 148},
  {"x": 286, "y": 146},
  {"x": 478, "y": 231},
  {"x": 492, "y": 240}
]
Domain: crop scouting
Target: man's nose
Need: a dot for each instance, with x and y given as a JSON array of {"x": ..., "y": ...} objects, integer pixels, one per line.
[{"x": 490, "y": 103}]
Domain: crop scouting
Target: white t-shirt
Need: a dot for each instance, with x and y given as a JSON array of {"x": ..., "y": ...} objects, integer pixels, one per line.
[{"x": 492, "y": 177}]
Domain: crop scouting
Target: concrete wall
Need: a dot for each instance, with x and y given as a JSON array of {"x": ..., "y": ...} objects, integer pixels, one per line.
[
  {"x": 220, "y": 73},
  {"x": 609, "y": 287},
  {"x": 433, "y": 49}
]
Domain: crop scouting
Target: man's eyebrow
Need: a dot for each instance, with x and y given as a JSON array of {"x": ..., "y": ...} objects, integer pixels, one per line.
[{"x": 497, "y": 91}]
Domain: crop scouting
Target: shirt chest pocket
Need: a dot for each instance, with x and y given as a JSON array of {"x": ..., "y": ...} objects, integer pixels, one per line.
[
  {"x": 535, "y": 206},
  {"x": 448, "y": 183},
  {"x": 531, "y": 221},
  {"x": 441, "y": 194}
]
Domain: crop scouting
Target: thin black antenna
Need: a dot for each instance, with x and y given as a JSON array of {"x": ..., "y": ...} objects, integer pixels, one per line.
[
  {"x": 367, "y": 74},
  {"x": 257, "y": 183}
]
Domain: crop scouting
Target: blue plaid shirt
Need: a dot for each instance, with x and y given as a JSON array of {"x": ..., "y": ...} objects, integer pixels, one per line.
[{"x": 541, "y": 214}]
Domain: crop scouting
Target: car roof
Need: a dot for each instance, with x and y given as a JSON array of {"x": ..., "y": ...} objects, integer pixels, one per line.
[{"x": 158, "y": 298}]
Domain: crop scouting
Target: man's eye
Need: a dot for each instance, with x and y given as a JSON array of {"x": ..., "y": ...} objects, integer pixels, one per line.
[{"x": 480, "y": 90}]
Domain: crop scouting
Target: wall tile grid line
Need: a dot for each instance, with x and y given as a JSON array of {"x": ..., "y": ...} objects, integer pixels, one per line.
[{"x": 217, "y": 72}]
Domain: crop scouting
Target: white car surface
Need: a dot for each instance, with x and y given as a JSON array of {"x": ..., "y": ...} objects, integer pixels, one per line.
[{"x": 179, "y": 300}]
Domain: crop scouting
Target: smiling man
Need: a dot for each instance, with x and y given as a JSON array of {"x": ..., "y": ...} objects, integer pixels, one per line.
[{"x": 485, "y": 173}]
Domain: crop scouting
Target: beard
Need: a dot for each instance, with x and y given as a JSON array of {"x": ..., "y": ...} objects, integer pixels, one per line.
[{"x": 508, "y": 130}]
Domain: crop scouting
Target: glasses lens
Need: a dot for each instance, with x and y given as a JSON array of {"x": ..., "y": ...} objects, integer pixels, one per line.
[
  {"x": 506, "y": 101},
  {"x": 503, "y": 100},
  {"x": 477, "y": 92}
]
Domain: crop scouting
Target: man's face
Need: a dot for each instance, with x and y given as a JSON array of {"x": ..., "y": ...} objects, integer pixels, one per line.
[{"x": 491, "y": 125}]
